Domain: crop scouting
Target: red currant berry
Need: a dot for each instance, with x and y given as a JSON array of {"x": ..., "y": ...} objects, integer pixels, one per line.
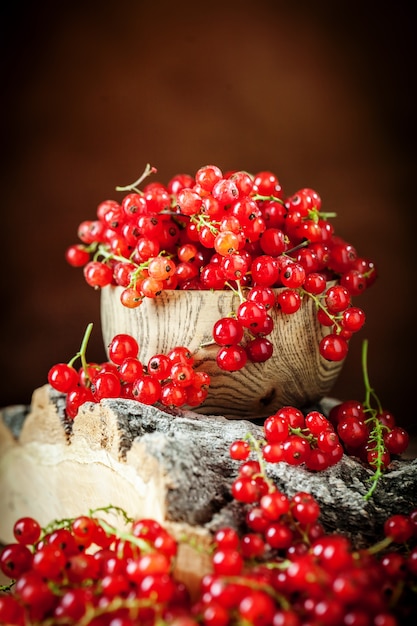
[
  {"x": 27, "y": 530},
  {"x": 396, "y": 440},
  {"x": 259, "y": 349},
  {"x": 333, "y": 347},
  {"x": 337, "y": 299},
  {"x": 63, "y": 377},
  {"x": 239, "y": 450},
  {"x": 77, "y": 255},
  {"x": 121, "y": 347},
  {"x": 231, "y": 358},
  {"x": 289, "y": 301},
  {"x": 398, "y": 528},
  {"x": 227, "y": 331},
  {"x": 98, "y": 274}
]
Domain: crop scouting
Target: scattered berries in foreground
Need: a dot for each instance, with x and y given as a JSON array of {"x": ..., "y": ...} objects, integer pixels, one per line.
[{"x": 282, "y": 568}]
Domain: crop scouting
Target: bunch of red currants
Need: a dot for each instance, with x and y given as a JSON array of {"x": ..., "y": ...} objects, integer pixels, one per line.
[
  {"x": 282, "y": 569},
  {"x": 169, "y": 379},
  {"x": 231, "y": 231}
]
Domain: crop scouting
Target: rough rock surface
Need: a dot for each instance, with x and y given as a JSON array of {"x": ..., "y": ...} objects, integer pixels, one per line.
[{"x": 184, "y": 456}]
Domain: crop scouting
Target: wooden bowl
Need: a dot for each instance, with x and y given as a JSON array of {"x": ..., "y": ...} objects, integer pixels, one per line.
[{"x": 295, "y": 375}]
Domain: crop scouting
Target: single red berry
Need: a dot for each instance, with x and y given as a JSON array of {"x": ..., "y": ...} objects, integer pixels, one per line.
[
  {"x": 264, "y": 270},
  {"x": 231, "y": 358},
  {"x": 293, "y": 275},
  {"x": 251, "y": 315},
  {"x": 227, "y": 562},
  {"x": 182, "y": 354},
  {"x": 98, "y": 274},
  {"x": 289, "y": 301},
  {"x": 353, "y": 432},
  {"x": 396, "y": 440},
  {"x": 63, "y": 377},
  {"x": 105, "y": 385},
  {"x": 257, "y": 608},
  {"x": 239, "y": 450},
  {"x": 399, "y": 528},
  {"x": 337, "y": 299},
  {"x": 147, "y": 389},
  {"x": 274, "y": 504},
  {"x": 315, "y": 283},
  {"x": 334, "y": 552},
  {"x": 227, "y": 331},
  {"x": 27, "y": 530},
  {"x": 244, "y": 489},
  {"x": 252, "y": 546},
  {"x": 316, "y": 422},
  {"x": 304, "y": 507},
  {"x": 276, "y": 428},
  {"x": 121, "y": 347},
  {"x": 296, "y": 450},
  {"x": 227, "y": 537},
  {"x": 15, "y": 559},
  {"x": 273, "y": 452},
  {"x": 333, "y": 347},
  {"x": 77, "y": 255},
  {"x": 259, "y": 349},
  {"x": 172, "y": 394},
  {"x": 353, "y": 319},
  {"x": 279, "y": 535}
]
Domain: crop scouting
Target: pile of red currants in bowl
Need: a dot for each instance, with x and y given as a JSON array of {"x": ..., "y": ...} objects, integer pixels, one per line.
[{"x": 229, "y": 231}]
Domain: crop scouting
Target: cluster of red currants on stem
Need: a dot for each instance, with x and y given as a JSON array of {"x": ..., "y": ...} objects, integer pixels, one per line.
[
  {"x": 282, "y": 569},
  {"x": 362, "y": 429},
  {"x": 235, "y": 231},
  {"x": 168, "y": 379}
]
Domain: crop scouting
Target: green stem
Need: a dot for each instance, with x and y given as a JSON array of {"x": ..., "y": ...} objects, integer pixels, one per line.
[
  {"x": 135, "y": 186},
  {"x": 104, "y": 252},
  {"x": 143, "y": 545},
  {"x": 379, "y": 546},
  {"x": 376, "y": 434},
  {"x": 81, "y": 354},
  {"x": 369, "y": 391},
  {"x": 315, "y": 215},
  {"x": 365, "y": 372},
  {"x": 200, "y": 220},
  {"x": 255, "y": 446},
  {"x": 259, "y": 196},
  {"x": 302, "y": 244},
  {"x": 319, "y": 305},
  {"x": 261, "y": 586},
  {"x": 112, "y": 508}
]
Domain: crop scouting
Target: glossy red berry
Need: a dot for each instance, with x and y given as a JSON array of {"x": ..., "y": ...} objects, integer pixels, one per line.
[
  {"x": 333, "y": 347},
  {"x": 231, "y": 358},
  {"x": 63, "y": 377},
  {"x": 228, "y": 331},
  {"x": 27, "y": 530},
  {"x": 121, "y": 347}
]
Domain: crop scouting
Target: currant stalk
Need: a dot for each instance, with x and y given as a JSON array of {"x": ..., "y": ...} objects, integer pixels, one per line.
[
  {"x": 66, "y": 522},
  {"x": 81, "y": 354},
  {"x": 255, "y": 446},
  {"x": 377, "y": 429},
  {"x": 200, "y": 220},
  {"x": 320, "y": 306},
  {"x": 270, "y": 198},
  {"x": 135, "y": 186}
]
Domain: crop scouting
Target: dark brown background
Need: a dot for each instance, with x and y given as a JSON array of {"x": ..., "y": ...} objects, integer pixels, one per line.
[{"x": 322, "y": 93}]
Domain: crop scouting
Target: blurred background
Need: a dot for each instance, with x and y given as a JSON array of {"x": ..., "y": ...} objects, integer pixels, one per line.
[{"x": 321, "y": 93}]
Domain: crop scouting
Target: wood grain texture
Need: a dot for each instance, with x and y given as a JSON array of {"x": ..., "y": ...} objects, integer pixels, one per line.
[{"x": 296, "y": 374}]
